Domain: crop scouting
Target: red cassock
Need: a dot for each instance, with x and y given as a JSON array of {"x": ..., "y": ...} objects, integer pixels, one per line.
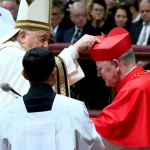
[{"x": 126, "y": 121}]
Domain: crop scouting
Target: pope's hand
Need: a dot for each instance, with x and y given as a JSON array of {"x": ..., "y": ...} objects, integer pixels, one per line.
[{"x": 86, "y": 43}]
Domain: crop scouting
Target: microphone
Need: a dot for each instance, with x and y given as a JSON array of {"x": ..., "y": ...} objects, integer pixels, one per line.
[{"x": 7, "y": 88}]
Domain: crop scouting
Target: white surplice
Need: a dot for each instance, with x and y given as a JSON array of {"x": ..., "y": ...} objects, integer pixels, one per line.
[
  {"x": 11, "y": 55},
  {"x": 66, "y": 127}
]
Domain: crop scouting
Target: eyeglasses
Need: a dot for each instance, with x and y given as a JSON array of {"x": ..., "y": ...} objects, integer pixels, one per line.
[
  {"x": 80, "y": 15},
  {"x": 100, "y": 69}
]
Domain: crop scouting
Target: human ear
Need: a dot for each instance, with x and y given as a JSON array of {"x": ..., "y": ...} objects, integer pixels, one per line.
[
  {"x": 22, "y": 37},
  {"x": 54, "y": 76},
  {"x": 116, "y": 63},
  {"x": 24, "y": 75}
]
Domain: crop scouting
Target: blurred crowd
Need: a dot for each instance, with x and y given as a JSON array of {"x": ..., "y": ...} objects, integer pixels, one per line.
[{"x": 71, "y": 19}]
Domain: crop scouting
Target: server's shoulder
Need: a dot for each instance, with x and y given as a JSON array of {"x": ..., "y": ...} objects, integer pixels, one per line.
[{"x": 64, "y": 101}]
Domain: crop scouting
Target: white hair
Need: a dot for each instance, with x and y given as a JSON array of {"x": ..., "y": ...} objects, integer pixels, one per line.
[
  {"x": 128, "y": 57},
  {"x": 77, "y": 5},
  {"x": 27, "y": 30}
]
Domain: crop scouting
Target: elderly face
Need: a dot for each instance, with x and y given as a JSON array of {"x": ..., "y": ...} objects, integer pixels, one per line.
[
  {"x": 145, "y": 11},
  {"x": 110, "y": 3},
  {"x": 108, "y": 70},
  {"x": 121, "y": 18},
  {"x": 79, "y": 17},
  {"x": 33, "y": 39},
  {"x": 98, "y": 12},
  {"x": 56, "y": 17}
]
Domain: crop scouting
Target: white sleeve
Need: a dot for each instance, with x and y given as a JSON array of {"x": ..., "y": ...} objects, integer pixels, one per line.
[
  {"x": 90, "y": 139},
  {"x": 70, "y": 56}
]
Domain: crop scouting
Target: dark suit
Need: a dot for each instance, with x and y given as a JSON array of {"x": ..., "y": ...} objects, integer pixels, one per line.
[
  {"x": 64, "y": 25},
  {"x": 135, "y": 31},
  {"x": 88, "y": 29}
]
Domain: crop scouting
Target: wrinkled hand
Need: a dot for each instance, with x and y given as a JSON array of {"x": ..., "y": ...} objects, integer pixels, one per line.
[
  {"x": 143, "y": 63},
  {"x": 85, "y": 43}
]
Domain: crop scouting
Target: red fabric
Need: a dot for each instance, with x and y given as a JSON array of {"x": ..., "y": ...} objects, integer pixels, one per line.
[
  {"x": 126, "y": 121},
  {"x": 116, "y": 43}
]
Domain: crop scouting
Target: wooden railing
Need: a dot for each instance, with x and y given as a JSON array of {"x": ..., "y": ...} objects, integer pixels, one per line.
[{"x": 141, "y": 53}]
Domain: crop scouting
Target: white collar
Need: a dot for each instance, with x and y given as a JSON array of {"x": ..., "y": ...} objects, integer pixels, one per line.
[
  {"x": 76, "y": 29},
  {"x": 137, "y": 18},
  {"x": 55, "y": 29},
  {"x": 130, "y": 70}
]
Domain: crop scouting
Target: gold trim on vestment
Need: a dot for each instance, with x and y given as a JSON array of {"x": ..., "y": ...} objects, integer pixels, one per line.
[
  {"x": 62, "y": 87},
  {"x": 30, "y": 24},
  {"x": 148, "y": 71}
]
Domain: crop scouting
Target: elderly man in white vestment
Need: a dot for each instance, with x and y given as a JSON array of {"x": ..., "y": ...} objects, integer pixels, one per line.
[
  {"x": 42, "y": 119},
  {"x": 32, "y": 29}
]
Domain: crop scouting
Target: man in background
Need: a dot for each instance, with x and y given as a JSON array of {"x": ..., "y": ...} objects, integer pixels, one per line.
[
  {"x": 78, "y": 15},
  {"x": 140, "y": 31},
  {"x": 59, "y": 21},
  {"x": 134, "y": 8}
]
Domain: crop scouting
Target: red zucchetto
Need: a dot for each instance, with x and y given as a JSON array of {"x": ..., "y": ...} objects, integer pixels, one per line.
[{"x": 113, "y": 45}]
